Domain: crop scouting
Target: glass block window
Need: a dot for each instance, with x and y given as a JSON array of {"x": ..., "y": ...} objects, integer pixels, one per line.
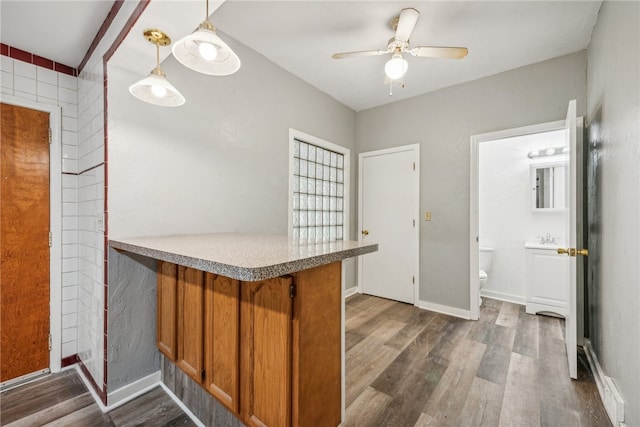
[{"x": 318, "y": 193}]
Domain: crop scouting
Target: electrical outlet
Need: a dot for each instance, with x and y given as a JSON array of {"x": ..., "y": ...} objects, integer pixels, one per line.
[{"x": 427, "y": 216}]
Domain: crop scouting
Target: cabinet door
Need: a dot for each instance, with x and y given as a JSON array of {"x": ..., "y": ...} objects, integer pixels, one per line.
[
  {"x": 167, "y": 299},
  {"x": 221, "y": 339},
  {"x": 265, "y": 315},
  {"x": 190, "y": 321}
]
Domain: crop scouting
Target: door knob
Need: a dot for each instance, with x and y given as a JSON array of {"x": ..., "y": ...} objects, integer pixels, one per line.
[
  {"x": 572, "y": 251},
  {"x": 365, "y": 232}
]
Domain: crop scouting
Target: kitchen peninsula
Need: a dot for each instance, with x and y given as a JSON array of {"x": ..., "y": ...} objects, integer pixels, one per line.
[{"x": 254, "y": 320}]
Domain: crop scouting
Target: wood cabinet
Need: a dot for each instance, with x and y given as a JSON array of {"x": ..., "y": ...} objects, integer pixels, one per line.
[
  {"x": 222, "y": 339},
  {"x": 190, "y": 321},
  {"x": 166, "y": 308},
  {"x": 547, "y": 281},
  {"x": 268, "y": 350}
]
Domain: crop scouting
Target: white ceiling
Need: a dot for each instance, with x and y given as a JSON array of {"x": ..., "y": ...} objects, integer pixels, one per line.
[
  {"x": 58, "y": 30},
  {"x": 301, "y": 35}
]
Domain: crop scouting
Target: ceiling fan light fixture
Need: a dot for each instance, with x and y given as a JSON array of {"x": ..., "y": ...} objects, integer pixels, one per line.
[
  {"x": 396, "y": 67},
  {"x": 155, "y": 88},
  {"x": 205, "y": 52}
]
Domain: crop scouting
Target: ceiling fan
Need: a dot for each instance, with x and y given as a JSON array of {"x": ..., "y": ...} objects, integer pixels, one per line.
[{"x": 403, "y": 25}]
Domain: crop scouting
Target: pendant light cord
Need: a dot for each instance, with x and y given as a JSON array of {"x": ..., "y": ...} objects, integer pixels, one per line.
[{"x": 207, "y": 17}]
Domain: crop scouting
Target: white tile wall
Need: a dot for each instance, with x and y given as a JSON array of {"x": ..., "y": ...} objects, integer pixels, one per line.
[
  {"x": 90, "y": 155},
  {"x": 45, "y": 86}
]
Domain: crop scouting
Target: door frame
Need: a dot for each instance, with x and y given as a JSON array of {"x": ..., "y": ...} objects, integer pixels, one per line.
[
  {"x": 55, "y": 223},
  {"x": 416, "y": 243},
  {"x": 474, "y": 225}
]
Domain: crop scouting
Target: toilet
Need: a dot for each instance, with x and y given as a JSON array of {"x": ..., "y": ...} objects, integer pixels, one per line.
[{"x": 485, "y": 257}]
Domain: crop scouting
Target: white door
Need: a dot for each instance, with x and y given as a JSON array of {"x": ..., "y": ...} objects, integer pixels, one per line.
[
  {"x": 571, "y": 321},
  {"x": 389, "y": 216}
]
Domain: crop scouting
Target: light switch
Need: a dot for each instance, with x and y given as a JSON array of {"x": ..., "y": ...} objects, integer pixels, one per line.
[{"x": 427, "y": 216}]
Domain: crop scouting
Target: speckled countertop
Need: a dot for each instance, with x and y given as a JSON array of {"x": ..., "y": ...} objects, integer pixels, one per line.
[{"x": 248, "y": 257}]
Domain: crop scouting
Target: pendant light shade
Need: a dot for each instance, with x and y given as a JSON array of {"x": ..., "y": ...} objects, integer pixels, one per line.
[
  {"x": 155, "y": 88},
  {"x": 203, "y": 51}
]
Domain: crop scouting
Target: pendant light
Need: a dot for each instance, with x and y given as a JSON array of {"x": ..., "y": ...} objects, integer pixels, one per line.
[
  {"x": 155, "y": 88},
  {"x": 203, "y": 51}
]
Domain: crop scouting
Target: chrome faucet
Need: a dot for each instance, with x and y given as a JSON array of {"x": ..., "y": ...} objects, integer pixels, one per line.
[{"x": 547, "y": 239}]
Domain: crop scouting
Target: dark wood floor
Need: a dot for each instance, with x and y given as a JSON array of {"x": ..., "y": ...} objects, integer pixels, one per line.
[
  {"x": 405, "y": 367},
  {"x": 409, "y": 367},
  {"x": 63, "y": 400}
]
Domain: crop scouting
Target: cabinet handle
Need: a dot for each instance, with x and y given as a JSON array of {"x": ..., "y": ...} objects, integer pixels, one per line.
[{"x": 365, "y": 232}]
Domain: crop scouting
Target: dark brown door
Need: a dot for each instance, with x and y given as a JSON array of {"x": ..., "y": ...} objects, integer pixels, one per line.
[{"x": 24, "y": 242}]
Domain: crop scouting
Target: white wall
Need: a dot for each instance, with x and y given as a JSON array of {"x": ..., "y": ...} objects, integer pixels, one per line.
[
  {"x": 220, "y": 162},
  {"x": 443, "y": 122},
  {"x": 613, "y": 117},
  {"x": 506, "y": 217},
  {"x": 44, "y": 86}
]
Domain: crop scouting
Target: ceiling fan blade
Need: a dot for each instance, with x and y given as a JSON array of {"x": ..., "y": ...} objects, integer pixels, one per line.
[
  {"x": 344, "y": 55},
  {"x": 406, "y": 22},
  {"x": 439, "y": 52}
]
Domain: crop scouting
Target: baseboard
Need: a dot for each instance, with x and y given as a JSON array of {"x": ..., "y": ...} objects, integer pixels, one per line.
[
  {"x": 182, "y": 405},
  {"x": 613, "y": 403},
  {"x": 502, "y": 296},
  {"x": 89, "y": 386},
  {"x": 350, "y": 292},
  {"x": 444, "y": 309},
  {"x": 131, "y": 391}
]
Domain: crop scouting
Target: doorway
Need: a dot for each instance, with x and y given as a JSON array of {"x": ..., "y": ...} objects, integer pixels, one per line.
[
  {"x": 388, "y": 215},
  {"x": 30, "y": 236}
]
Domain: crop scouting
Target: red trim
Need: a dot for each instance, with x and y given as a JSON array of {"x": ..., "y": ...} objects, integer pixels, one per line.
[
  {"x": 43, "y": 62},
  {"x": 142, "y": 5},
  {"x": 102, "y": 394},
  {"x": 69, "y": 360},
  {"x": 101, "y": 32},
  {"x": 22, "y": 55}
]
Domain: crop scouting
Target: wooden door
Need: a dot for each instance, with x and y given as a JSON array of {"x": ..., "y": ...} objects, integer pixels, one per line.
[
  {"x": 389, "y": 200},
  {"x": 24, "y": 242},
  {"x": 190, "y": 321},
  {"x": 167, "y": 304},
  {"x": 221, "y": 339},
  {"x": 265, "y": 316}
]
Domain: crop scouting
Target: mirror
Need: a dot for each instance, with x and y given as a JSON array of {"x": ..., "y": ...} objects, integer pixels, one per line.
[{"x": 548, "y": 189}]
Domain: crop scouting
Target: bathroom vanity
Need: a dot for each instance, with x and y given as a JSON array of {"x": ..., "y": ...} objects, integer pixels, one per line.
[
  {"x": 254, "y": 320},
  {"x": 547, "y": 283}
]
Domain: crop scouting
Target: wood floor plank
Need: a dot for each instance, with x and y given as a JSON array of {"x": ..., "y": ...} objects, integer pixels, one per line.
[
  {"x": 508, "y": 315},
  {"x": 405, "y": 408},
  {"x": 38, "y": 395},
  {"x": 366, "y": 409},
  {"x": 154, "y": 408},
  {"x": 482, "y": 407},
  {"x": 520, "y": 405},
  {"x": 526, "y": 337},
  {"x": 495, "y": 364},
  {"x": 451, "y": 392},
  {"x": 52, "y": 413},
  {"x": 550, "y": 327},
  {"x": 414, "y": 357},
  {"x": 351, "y": 339},
  {"x": 88, "y": 416},
  {"x": 414, "y": 327},
  {"x": 367, "y": 359}
]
